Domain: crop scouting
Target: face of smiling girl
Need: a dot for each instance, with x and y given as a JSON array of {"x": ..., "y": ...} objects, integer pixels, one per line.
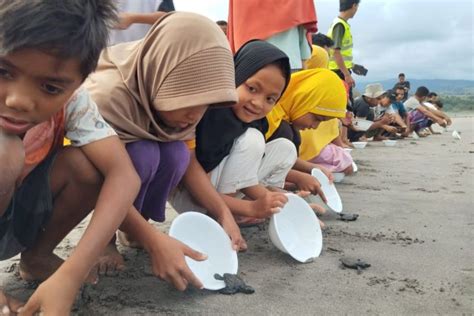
[{"x": 259, "y": 94}]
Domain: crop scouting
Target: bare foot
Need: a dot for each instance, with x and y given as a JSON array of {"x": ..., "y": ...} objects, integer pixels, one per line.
[
  {"x": 8, "y": 304},
  {"x": 317, "y": 208},
  {"x": 111, "y": 261},
  {"x": 126, "y": 241},
  {"x": 38, "y": 267},
  {"x": 35, "y": 268}
]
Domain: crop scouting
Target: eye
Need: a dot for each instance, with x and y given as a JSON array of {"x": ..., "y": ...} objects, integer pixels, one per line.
[
  {"x": 50, "y": 89},
  {"x": 271, "y": 100},
  {"x": 251, "y": 89},
  {"x": 5, "y": 74}
]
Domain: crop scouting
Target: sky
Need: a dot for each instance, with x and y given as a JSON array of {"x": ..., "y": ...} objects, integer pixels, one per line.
[{"x": 422, "y": 38}]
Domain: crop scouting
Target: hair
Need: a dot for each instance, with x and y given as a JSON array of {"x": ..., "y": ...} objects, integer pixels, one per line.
[
  {"x": 432, "y": 94},
  {"x": 322, "y": 40},
  {"x": 221, "y": 23},
  {"x": 391, "y": 95},
  {"x": 345, "y": 5},
  {"x": 401, "y": 75},
  {"x": 438, "y": 103},
  {"x": 422, "y": 91},
  {"x": 63, "y": 28}
]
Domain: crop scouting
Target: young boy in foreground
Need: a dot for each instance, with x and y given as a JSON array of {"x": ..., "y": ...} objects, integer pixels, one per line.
[{"x": 47, "y": 49}]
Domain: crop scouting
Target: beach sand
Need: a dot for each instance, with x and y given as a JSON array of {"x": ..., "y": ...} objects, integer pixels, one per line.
[{"x": 416, "y": 229}]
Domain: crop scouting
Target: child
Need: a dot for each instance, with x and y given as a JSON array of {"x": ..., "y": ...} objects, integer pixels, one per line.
[
  {"x": 419, "y": 115},
  {"x": 313, "y": 96},
  {"x": 230, "y": 145},
  {"x": 154, "y": 92},
  {"x": 47, "y": 49}
]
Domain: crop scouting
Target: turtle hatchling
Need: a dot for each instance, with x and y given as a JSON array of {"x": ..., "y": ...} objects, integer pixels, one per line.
[
  {"x": 353, "y": 263},
  {"x": 233, "y": 284}
]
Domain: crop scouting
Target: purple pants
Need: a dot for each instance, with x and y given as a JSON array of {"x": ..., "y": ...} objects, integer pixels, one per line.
[{"x": 160, "y": 167}]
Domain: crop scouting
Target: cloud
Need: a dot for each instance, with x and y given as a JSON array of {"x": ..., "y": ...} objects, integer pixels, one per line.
[{"x": 425, "y": 39}]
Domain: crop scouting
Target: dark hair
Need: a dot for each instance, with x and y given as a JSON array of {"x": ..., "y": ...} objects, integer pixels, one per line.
[
  {"x": 322, "y": 40},
  {"x": 432, "y": 94},
  {"x": 64, "y": 28},
  {"x": 422, "y": 91},
  {"x": 401, "y": 75},
  {"x": 221, "y": 23},
  {"x": 391, "y": 95},
  {"x": 345, "y": 5},
  {"x": 438, "y": 103},
  {"x": 166, "y": 6}
]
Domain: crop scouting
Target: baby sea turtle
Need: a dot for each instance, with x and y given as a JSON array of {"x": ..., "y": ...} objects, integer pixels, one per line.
[
  {"x": 233, "y": 284},
  {"x": 348, "y": 217},
  {"x": 353, "y": 263}
]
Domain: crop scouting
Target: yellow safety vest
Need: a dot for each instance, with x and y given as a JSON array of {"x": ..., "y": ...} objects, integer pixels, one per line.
[{"x": 346, "y": 49}]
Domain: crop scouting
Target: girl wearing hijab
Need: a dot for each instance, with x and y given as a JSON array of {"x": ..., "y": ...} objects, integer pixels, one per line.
[
  {"x": 230, "y": 143},
  {"x": 313, "y": 96},
  {"x": 154, "y": 92},
  {"x": 323, "y": 145}
]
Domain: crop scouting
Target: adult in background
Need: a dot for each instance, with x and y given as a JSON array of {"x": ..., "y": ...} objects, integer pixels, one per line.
[
  {"x": 340, "y": 58},
  {"x": 223, "y": 25},
  {"x": 404, "y": 84},
  {"x": 283, "y": 23},
  {"x": 136, "y": 18}
]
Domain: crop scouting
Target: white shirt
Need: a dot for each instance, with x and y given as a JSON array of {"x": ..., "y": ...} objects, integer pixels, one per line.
[
  {"x": 411, "y": 104},
  {"x": 135, "y": 31}
]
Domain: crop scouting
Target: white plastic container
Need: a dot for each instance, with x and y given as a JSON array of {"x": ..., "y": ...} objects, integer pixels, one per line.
[
  {"x": 390, "y": 143},
  {"x": 295, "y": 230},
  {"x": 334, "y": 202},
  {"x": 359, "y": 145},
  {"x": 361, "y": 124},
  {"x": 205, "y": 235},
  {"x": 338, "y": 176}
]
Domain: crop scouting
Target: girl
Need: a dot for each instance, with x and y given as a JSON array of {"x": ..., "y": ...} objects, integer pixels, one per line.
[
  {"x": 313, "y": 96},
  {"x": 324, "y": 145},
  {"x": 230, "y": 145},
  {"x": 154, "y": 92}
]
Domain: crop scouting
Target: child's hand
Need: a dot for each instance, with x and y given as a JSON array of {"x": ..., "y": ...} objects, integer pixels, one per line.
[
  {"x": 167, "y": 260},
  {"x": 327, "y": 173},
  {"x": 8, "y": 305},
  {"x": 390, "y": 129},
  {"x": 269, "y": 204},
  {"x": 307, "y": 182},
  {"x": 124, "y": 22},
  {"x": 233, "y": 230},
  {"x": 55, "y": 296}
]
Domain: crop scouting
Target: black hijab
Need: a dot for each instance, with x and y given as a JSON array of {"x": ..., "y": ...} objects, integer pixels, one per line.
[{"x": 216, "y": 132}]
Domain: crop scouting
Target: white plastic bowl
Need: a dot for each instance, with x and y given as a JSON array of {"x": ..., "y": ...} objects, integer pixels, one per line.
[
  {"x": 390, "y": 143},
  {"x": 348, "y": 149},
  {"x": 338, "y": 176},
  {"x": 359, "y": 145},
  {"x": 333, "y": 199},
  {"x": 205, "y": 235},
  {"x": 295, "y": 230},
  {"x": 354, "y": 167},
  {"x": 361, "y": 124},
  {"x": 456, "y": 135}
]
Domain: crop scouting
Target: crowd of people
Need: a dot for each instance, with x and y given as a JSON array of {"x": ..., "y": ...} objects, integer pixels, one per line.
[{"x": 222, "y": 118}]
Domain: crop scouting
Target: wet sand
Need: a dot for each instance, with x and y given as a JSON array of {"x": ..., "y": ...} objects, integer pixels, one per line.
[{"x": 416, "y": 229}]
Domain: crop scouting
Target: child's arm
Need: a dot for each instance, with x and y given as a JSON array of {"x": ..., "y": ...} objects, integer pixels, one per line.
[
  {"x": 12, "y": 159},
  {"x": 305, "y": 182},
  {"x": 126, "y": 19},
  {"x": 198, "y": 184},
  {"x": 121, "y": 184},
  {"x": 166, "y": 253},
  {"x": 306, "y": 166}
]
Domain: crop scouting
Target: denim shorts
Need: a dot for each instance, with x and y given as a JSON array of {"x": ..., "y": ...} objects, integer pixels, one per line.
[{"x": 28, "y": 212}]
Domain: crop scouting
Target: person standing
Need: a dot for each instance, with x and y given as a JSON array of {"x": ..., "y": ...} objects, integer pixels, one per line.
[
  {"x": 403, "y": 84},
  {"x": 340, "y": 58}
]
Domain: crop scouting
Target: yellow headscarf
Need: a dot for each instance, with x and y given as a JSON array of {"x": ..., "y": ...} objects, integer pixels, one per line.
[
  {"x": 319, "y": 58},
  {"x": 314, "y": 140},
  {"x": 318, "y": 91}
]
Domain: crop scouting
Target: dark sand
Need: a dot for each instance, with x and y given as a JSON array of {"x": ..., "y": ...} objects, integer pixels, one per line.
[{"x": 416, "y": 228}]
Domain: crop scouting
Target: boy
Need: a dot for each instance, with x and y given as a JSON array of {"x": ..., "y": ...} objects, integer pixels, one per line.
[
  {"x": 47, "y": 49},
  {"x": 340, "y": 58},
  {"x": 418, "y": 114},
  {"x": 405, "y": 85}
]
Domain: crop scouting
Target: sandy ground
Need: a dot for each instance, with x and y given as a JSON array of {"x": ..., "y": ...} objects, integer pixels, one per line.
[{"x": 416, "y": 228}]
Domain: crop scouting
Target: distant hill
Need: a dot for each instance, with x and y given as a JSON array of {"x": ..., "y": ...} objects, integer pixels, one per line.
[{"x": 440, "y": 86}]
